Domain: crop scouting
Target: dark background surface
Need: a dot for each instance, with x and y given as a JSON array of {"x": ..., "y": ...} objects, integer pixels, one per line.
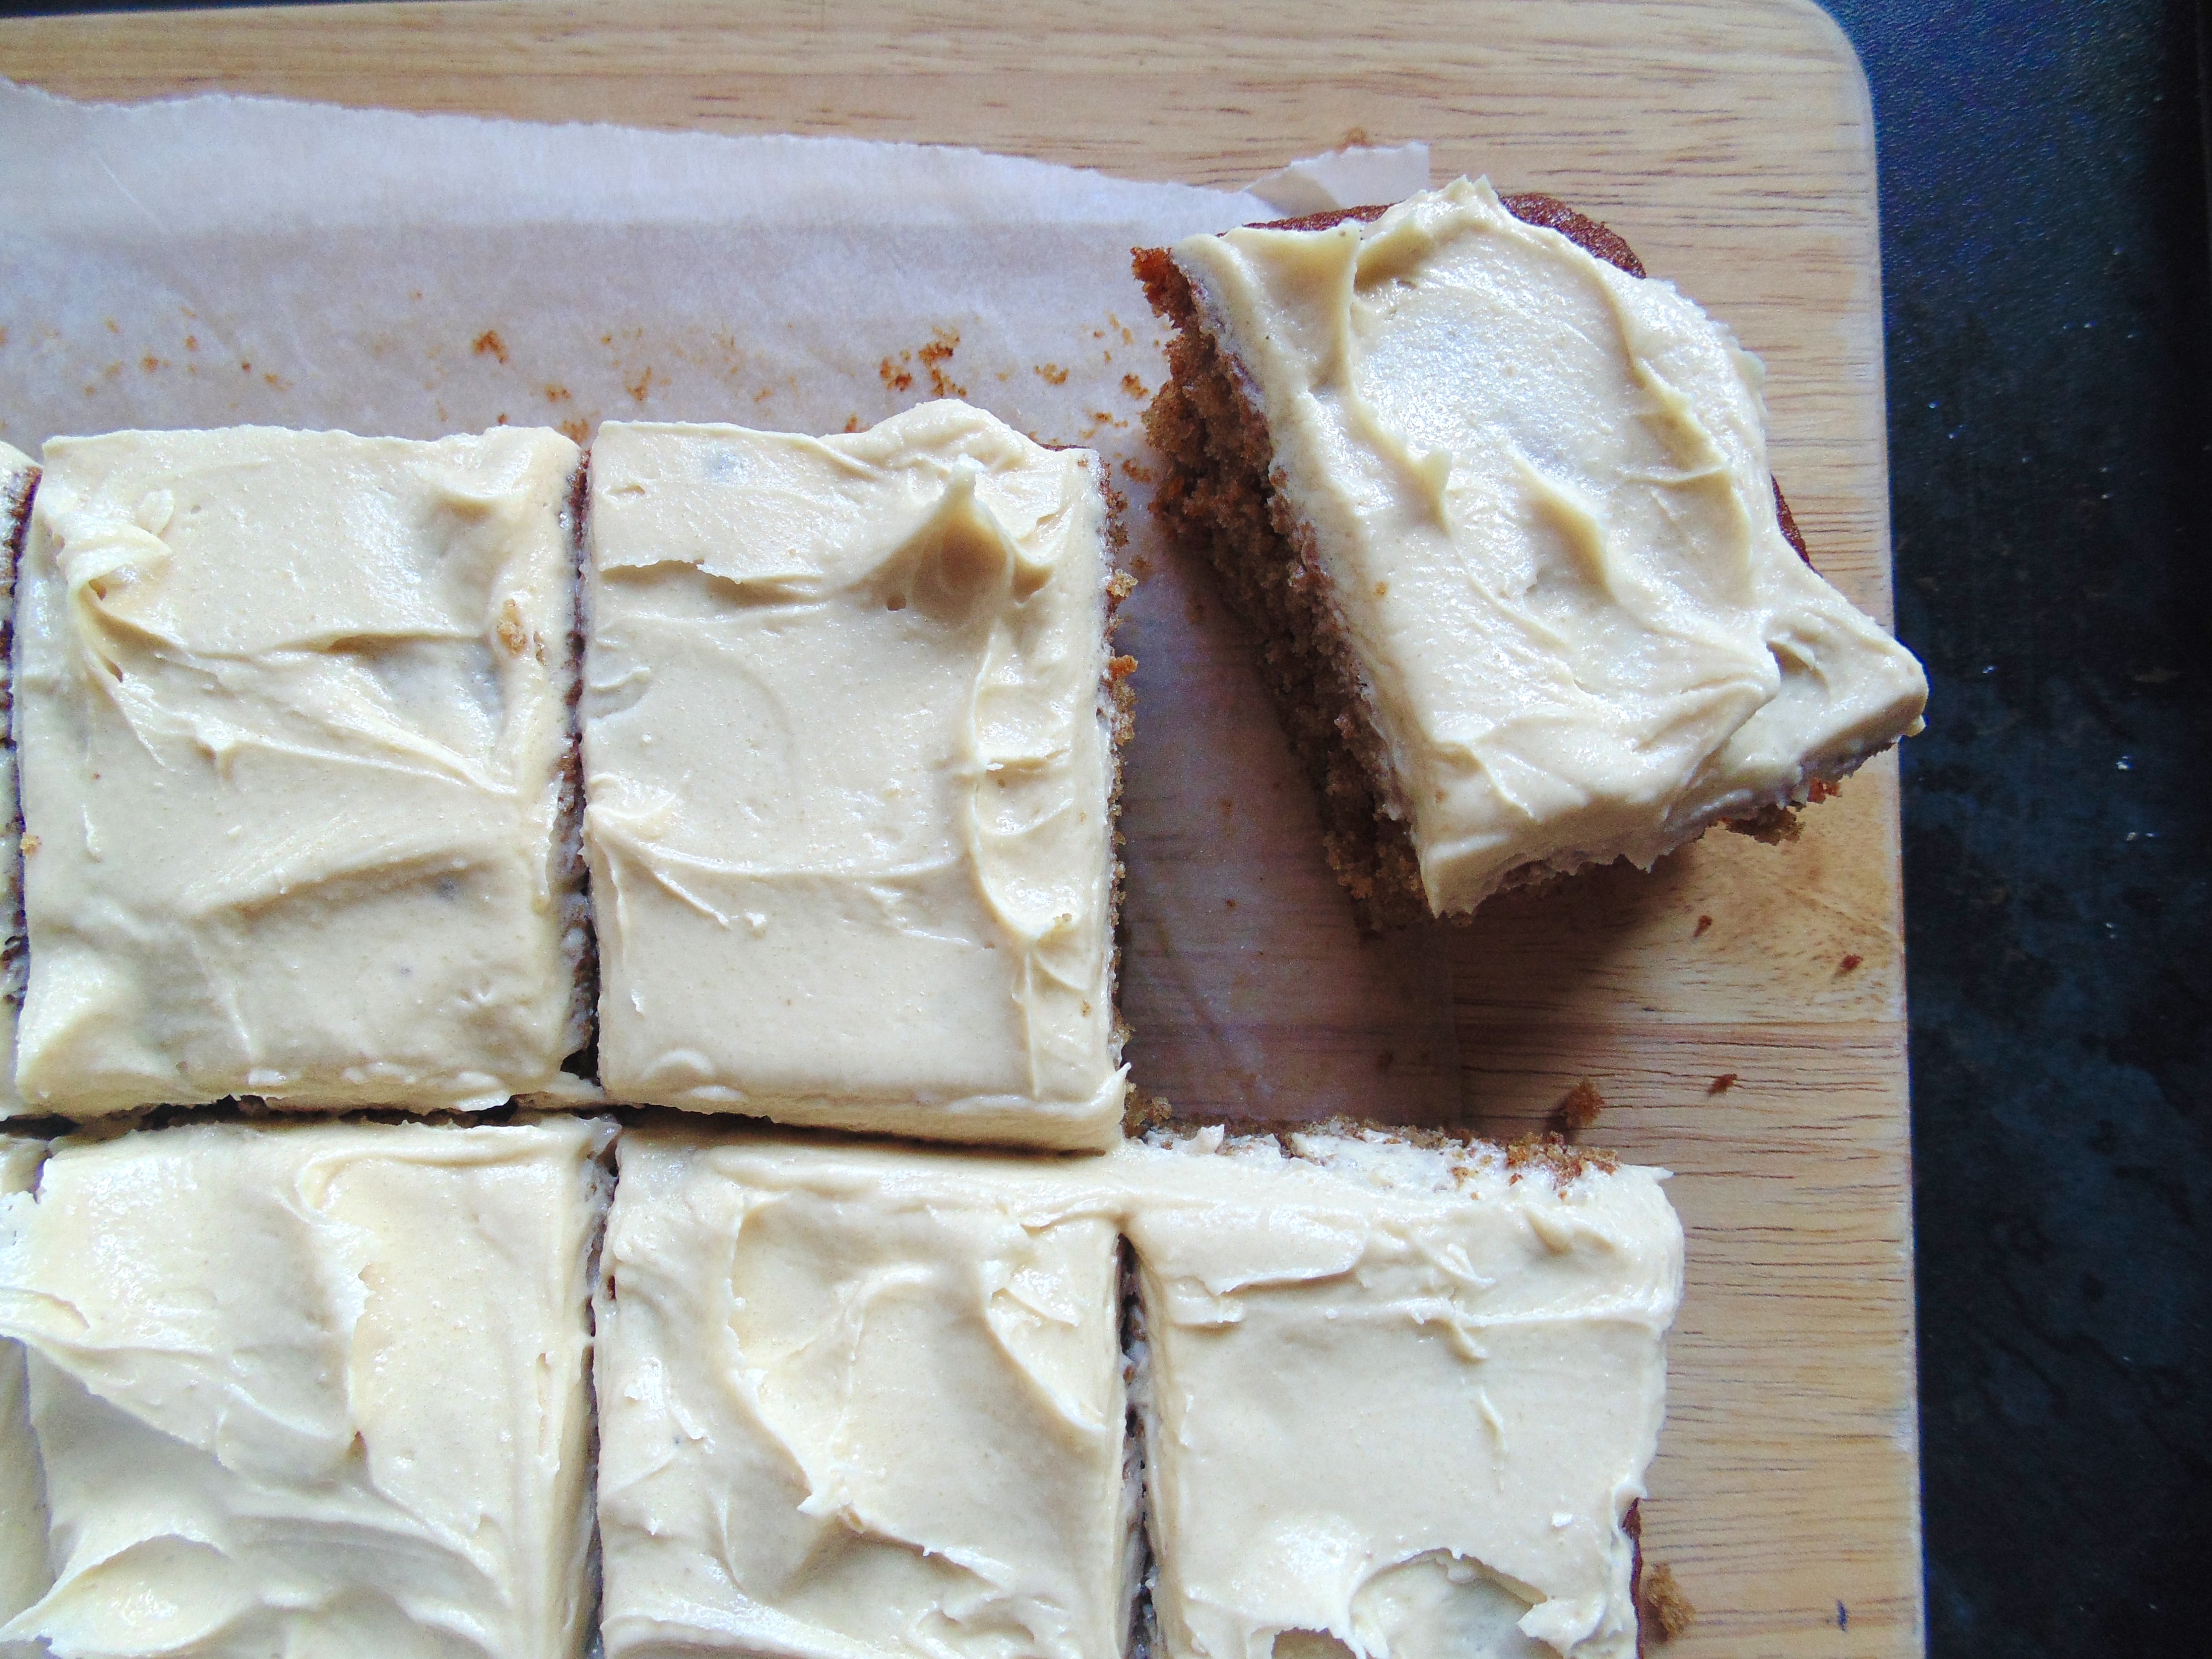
[
  {"x": 2046, "y": 250},
  {"x": 2048, "y": 284}
]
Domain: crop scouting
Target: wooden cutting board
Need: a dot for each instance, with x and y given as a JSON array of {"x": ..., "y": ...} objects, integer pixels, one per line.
[{"x": 1731, "y": 141}]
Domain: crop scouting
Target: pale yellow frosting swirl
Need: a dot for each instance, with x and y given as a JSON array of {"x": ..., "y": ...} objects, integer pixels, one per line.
[
  {"x": 859, "y": 1403},
  {"x": 1400, "y": 1398},
  {"x": 24, "y": 1572},
  {"x": 314, "y": 1390},
  {"x": 292, "y": 712},
  {"x": 848, "y": 769},
  {"x": 1540, "y": 489}
]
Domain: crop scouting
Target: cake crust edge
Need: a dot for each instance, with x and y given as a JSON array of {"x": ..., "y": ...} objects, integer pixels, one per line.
[{"x": 1230, "y": 506}]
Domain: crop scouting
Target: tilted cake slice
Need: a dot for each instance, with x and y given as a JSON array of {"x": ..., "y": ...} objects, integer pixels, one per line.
[
  {"x": 849, "y": 756},
  {"x": 861, "y": 1399},
  {"x": 310, "y": 1389},
  {"x": 294, "y": 731},
  {"x": 1498, "y": 507},
  {"x": 1401, "y": 1393}
]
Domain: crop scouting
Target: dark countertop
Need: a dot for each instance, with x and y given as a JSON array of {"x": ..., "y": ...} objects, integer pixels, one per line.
[{"x": 2050, "y": 333}]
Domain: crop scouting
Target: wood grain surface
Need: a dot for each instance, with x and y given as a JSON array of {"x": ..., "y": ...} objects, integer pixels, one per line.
[{"x": 1731, "y": 141}]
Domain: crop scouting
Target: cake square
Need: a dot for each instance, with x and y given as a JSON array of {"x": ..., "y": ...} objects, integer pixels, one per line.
[
  {"x": 19, "y": 476},
  {"x": 861, "y": 1399},
  {"x": 849, "y": 766},
  {"x": 1498, "y": 507},
  {"x": 24, "y": 1574},
  {"x": 1401, "y": 1393},
  {"x": 294, "y": 727},
  {"x": 315, "y": 1389}
]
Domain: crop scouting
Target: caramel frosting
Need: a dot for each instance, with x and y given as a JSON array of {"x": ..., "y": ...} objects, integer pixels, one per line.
[
  {"x": 863, "y": 1399},
  {"x": 315, "y": 1389},
  {"x": 24, "y": 1574},
  {"x": 292, "y": 710},
  {"x": 1539, "y": 489},
  {"x": 1399, "y": 1397},
  {"x": 861, "y": 1402},
  {"x": 18, "y": 473},
  {"x": 847, "y": 774}
]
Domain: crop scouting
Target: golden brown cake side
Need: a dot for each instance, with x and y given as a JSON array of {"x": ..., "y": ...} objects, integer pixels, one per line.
[{"x": 1217, "y": 496}]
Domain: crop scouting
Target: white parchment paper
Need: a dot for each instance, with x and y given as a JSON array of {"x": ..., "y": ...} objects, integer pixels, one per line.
[{"x": 213, "y": 261}]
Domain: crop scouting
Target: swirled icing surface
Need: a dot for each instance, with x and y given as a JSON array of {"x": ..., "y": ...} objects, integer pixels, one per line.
[
  {"x": 1400, "y": 1399},
  {"x": 311, "y": 1389},
  {"x": 1540, "y": 489},
  {"x": 847, "y": 777},
  {"x": 861, "y": 1401},
  {"x": 24, "y": 1574},
  {"x": 292, "y": 720}
]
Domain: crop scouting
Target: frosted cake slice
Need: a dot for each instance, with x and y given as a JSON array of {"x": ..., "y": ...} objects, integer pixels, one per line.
[
  {"x": 333, "y": 1401},
  {"x": 1401, "y": 1394},
  {"x": 293, "y": 720},
  {"x": 24, "y": 1573},
  {"x": 861, "y": 1400},
  {"x": 848, "y": 744},
  {"x": 1498, "y": 507},
  {"x": 19, "y": 476}
]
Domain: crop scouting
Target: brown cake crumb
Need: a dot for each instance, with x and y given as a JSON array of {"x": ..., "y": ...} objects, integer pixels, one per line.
[
  {"x": 1666, "y": 1611},
  {"x": 943, "y": 343},
  {"x": 1773, "y": 825},
  {"x": 1550, "y": 1153},
  {"x": 513, "y": 637},
  {"x": 1142, "y": 1113},
  {"x": 1579, "y": 1108}
]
